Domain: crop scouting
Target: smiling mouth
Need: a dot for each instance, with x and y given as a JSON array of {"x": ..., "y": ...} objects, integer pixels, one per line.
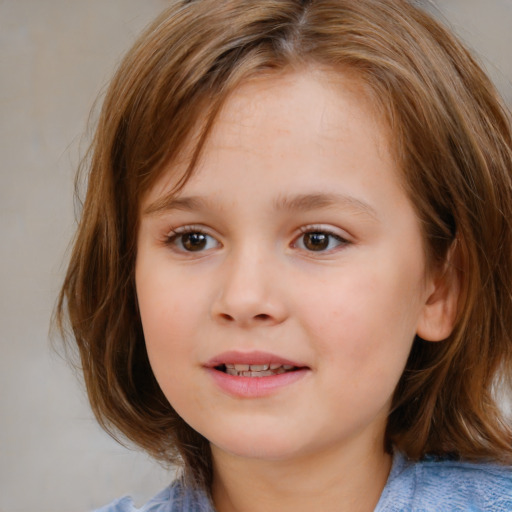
[{"x": 256, "y": 370}]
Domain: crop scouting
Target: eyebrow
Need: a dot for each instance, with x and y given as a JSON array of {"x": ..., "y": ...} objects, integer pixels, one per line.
[
  {"x": 307, "y": 202},
  {"x": 168, "y": 203},
  {"x": 299, "y": 202}
]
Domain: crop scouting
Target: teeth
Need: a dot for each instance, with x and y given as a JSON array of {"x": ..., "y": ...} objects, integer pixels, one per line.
[
  {"x": 257, "y": 370},
  {"x": 267, "y": 373},
  {"x": 259, "y": 367}
]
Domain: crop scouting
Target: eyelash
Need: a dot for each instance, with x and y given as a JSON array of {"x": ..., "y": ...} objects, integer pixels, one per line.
[{"x": 176, "y": 236}]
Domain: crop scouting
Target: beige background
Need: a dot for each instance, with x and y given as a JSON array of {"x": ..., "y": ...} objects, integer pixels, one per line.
[{"x": 55, "y": 57}]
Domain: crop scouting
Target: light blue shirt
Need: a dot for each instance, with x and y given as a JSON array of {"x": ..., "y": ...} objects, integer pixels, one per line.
[{"x": 426, "y": 486}]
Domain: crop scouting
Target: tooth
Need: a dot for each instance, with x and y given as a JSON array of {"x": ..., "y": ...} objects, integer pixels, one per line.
[
  {"x": 280, "y": 370},
  {"x": 275, "y": 366},
  {"x": 246, "y": 374},
  {"x": 232, "y": 366},
  {"x": 266, "y": 373},
  {"x": 241, "y": 367},
  {"x": 258, "y": 367},
  {"x": 231, "y": 371},
  {"x": 287, "y": 366}
]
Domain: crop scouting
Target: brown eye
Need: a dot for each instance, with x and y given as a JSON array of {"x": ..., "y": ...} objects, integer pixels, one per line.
[
  {"x": 319, "y": 241},
  {"x": 194, "y": 241},
  {"x": 316, "y": 241},
  {"x": 191, "y": 241}
]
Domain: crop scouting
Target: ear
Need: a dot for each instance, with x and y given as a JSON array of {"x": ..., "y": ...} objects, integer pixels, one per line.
[{"x": 439, "y": 312}]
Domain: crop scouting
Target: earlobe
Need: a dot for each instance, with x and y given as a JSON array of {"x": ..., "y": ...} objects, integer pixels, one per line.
[{"x": 439, "y": 312}]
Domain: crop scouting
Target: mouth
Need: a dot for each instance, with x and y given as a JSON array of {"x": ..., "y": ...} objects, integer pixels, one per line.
[
  {"x": 255, "y": 370},
  {"x": 251, "y": 375},
  {"x": 253, "y": 364}
]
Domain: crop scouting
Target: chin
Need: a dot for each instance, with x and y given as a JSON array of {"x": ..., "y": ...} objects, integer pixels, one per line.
[{"x": 261, "y": 445}]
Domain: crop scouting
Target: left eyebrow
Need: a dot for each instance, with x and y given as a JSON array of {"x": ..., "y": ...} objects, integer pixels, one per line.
[{"x": 305, "y": 202}]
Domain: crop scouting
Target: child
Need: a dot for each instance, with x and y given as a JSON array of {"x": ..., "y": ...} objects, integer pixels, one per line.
[{"x": 293, "y": 270}]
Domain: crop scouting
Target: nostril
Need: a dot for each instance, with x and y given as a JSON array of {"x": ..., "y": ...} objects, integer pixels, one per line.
[
  {"x": 226, "y": 317},
  {"x": 262, "y": 316}
]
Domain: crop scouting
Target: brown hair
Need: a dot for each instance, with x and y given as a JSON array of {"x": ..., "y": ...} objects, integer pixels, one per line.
[{"x": 453, "y": 145}]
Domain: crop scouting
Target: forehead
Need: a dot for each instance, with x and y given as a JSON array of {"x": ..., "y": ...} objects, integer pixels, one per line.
[{"x": 302, "y": 112}]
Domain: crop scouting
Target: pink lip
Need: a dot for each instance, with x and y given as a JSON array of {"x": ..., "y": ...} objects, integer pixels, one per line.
[{"x": 253, "y": 387}]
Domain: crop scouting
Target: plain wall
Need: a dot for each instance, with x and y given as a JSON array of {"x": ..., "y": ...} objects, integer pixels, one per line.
[{"x": 55, "y": 57}]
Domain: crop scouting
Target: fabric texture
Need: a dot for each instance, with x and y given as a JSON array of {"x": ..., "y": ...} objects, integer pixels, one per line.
[
  {"x": 448, "y": 486},
  {"x": 427, "y": 486}
]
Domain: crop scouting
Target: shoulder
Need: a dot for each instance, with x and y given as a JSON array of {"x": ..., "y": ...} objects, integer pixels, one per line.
[
  {"x": 174, "y": 498},
  {"x": 447, "y": 485}
]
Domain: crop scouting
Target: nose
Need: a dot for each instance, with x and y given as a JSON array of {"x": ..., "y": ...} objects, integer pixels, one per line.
[{"x": 249, "y": 292}]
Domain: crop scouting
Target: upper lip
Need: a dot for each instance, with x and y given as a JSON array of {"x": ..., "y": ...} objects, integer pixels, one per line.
[{"x": 255, "y": 357}]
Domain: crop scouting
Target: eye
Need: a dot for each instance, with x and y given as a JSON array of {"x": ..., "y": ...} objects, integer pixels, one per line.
[
  {"x": 191, "y": 240},
  {"x": 319, "y": 240}
]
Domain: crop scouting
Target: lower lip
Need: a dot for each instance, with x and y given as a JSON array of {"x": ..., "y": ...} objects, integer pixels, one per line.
[{"x": 255, "y": 387}]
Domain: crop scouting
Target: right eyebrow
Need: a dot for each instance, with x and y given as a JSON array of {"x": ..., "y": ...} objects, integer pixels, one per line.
[{"x": 171, "y": 202}]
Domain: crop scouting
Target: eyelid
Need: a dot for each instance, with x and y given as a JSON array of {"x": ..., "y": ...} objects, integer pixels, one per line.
[
  {"x": 188, "y": 228},
  {"x": 328, "y": 228}
]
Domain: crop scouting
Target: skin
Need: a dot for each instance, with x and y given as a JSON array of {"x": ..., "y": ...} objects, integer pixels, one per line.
[{"x": 299, "y": 152}]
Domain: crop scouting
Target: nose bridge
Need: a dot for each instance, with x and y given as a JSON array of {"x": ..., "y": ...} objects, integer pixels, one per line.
[{"x": 248, "y": 290}]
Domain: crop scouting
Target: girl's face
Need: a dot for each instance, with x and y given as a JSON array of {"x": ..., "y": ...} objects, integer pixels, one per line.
[{"x": 293, "y": 254}]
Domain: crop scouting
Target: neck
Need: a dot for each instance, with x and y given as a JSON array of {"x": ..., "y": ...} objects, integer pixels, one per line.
[{"x": 332, "y": 481}]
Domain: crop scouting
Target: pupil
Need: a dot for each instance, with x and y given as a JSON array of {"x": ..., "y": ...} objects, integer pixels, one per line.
[
  {"x": 194, "y": 241},
  {"x": 316, "y": 241}
]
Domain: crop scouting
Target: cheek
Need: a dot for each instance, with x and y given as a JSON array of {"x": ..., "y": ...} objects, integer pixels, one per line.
[
  {"x": 169, "y": 318},
  {"x": 169, "y": 324},
  {"x": 364, "y": 315},
  {"x": 363, "y": 330},
  {"x": 167, "y": 305}
]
